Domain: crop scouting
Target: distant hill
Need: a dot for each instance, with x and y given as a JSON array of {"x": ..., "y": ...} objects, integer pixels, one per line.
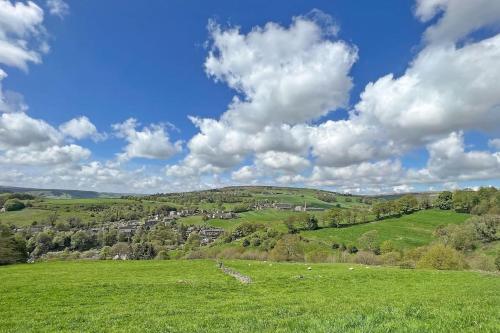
[{"x": 58, "y": 193}]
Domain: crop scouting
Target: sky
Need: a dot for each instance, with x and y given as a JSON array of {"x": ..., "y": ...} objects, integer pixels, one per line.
[{"x": 164, "y": 96}]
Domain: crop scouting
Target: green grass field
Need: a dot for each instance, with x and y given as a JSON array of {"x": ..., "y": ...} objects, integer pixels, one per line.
[
  {"x": 194, "y": 296},
  {"x": 407, "y": 231}
]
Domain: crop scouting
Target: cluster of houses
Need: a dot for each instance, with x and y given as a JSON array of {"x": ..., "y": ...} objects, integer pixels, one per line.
[
  {"x": 221, "y": 215},
  {"x": 207, "y": 234},
  {"x": 304, "y": 208}
]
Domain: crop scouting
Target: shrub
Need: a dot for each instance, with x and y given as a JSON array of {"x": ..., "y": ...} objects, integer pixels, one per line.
[
  {"x": 12, "y": 247},
  {"x": 288, "y": 248},
  {"x": 482, "y": 262},
  {"x": 144, "y": 250},
  {"x": 105, "y": 252},
  {"x": 366, "y": 258},
  {"x": 319, "y": 256},
  {"x": 387, "y": 246},
  {"x": 253, "y": 255},
  {"x": 230, "y": 253},
  {"x": 442, "y": 257},
  {"x": 351, "y": 248},
  {"x": 13, "y": 205},
  {"x": 162, "y": 255},
  {"x": 368, "y": 240},
  {"x": 445, "y": 200},
  {"x": 391, "y": 258}
]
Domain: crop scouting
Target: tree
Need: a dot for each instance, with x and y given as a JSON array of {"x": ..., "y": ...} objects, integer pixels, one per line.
[
  {"x": 441, "y": 257},
  {"x": 13, "y": 205},
  {"x": 144, "y": 250},
  {"x": 12, "y": 247},
  {"x": 288, "y": 248},
  {"x": 463, "y": 201},
  {"x": 445, "y": 200},
  {"x": 368, "y": 240},
  {"x": 312, "y": 223},
  {"x": 193, "y": 241},
  {"x": 407, "y": 204},
  {"x": 40, "y": 243},
  {"x": 81, "y": 241},
  {"x": 486, "y": 227}
]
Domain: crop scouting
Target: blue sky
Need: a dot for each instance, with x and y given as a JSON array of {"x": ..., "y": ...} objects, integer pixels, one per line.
[{"x": 113, "y": 61}]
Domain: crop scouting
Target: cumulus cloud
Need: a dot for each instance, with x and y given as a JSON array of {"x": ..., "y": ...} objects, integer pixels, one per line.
[
  {"x": 494, "y": 143},
  {"x": 449, "y": 161},
  {"x": 20, "y": 130},
  {"x": 58, "y": 8},
  {"x": 284, "y": 77},
  {"x": 22, "y": 35},
  {"x": 282, "y": 161},
  {"x": 81, "y": 128},
  {"x": 151, "y": 142},
  {"x": 458, "y": 18}
]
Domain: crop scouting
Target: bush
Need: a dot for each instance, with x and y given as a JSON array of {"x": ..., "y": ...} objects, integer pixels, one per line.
[
  {"x": 442, "y": 257},
  {"x": 13, "y": 205},
  {"x": 387, "y": 246},
  {"x": 12, "y": 247},
  {"x": 482, "y": 262},
  {"x": 391, "y": 258},
  {"x": 351, "y": 248},
  {"x": 368, "y": 240},
  {"x": 366, "y": 258},
  {"x": 287, "y": 248},
  {"x": 162, "y": 255},
  {"x": 105, "y": 252},
  {"x": 319, "y": 256},
  {"x": 230, "y": 253},
  {"x": 253, "y": 255},
  {"x": 445, "y": 200}
]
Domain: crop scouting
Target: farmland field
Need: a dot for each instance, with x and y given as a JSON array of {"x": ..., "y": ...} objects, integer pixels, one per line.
[
  {"x": 406, "y": 231},
  {"x": 194, "y": 296}
]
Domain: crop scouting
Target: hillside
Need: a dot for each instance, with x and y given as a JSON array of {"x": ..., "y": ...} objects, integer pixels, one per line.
[
  {"x": 407, "y": 231},
  {"x": 194, "y": 296},
  {"x": 57, "y": 193}
]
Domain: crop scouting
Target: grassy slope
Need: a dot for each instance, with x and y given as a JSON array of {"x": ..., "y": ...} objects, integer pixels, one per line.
[
  {"x": 193, "y": 296},
  {"x": 65, "y": 208},
  {"x": 408, "y": 231}
]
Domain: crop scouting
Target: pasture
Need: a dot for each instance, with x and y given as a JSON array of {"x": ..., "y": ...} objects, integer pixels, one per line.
[
  {"x": 406, "y": 231},
  {"x": 195, "y": 296}
]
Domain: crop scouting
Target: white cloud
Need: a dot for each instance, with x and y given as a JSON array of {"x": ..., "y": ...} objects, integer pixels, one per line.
[
  {"x": 448, "y": 161},
  {"x": 494, "y": 143},
  {"x": 151, "y": 142},
  {"x": 282, "y": 161},
  {"x": 58, "y": 8},
  {"x": 21, "y": 34},
  {"x": 54, "y": 155},
  {"x": 459, "y": 17},
  {"x": 20, "y": 130},
  {"x": 245, "y": 173},
  {"x": 81, "y": 128},
  {"x": 286, "y": 75}
]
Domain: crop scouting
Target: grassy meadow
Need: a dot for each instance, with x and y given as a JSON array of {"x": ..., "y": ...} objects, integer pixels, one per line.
[
  {"x": 194, "y": 296},
  {"x": 406, "y": 231}
]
